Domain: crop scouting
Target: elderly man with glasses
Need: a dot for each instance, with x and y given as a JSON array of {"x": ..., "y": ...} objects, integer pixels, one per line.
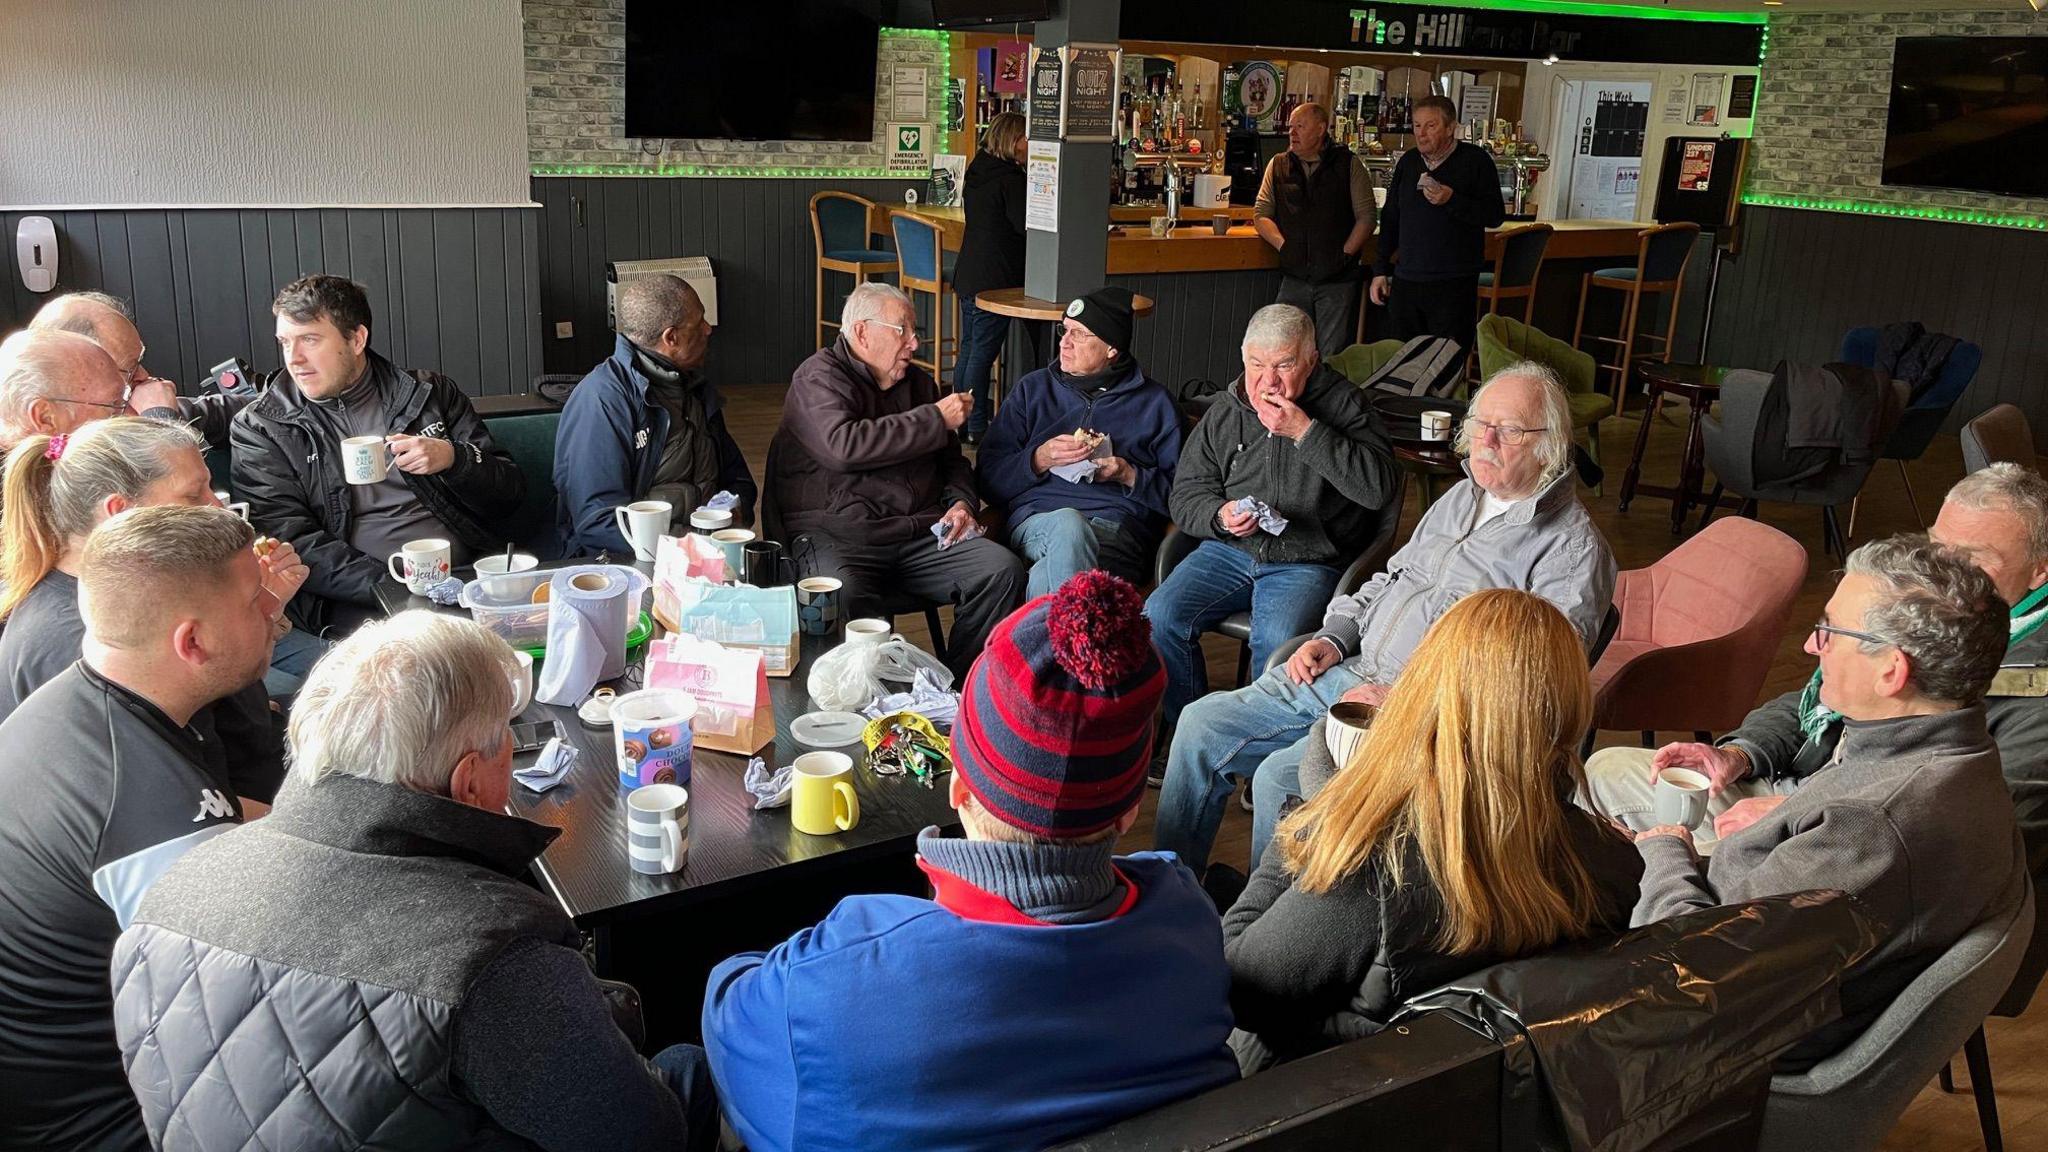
[
  {"x": 1910, "y": 815},
  {"x": 107, "y": 322},
  {"x": 1997, "y": 519},
  {"x": 53, "y": 382},
  {"x": 1516, "y": 522},
  {"x": 867, "y": 481}
]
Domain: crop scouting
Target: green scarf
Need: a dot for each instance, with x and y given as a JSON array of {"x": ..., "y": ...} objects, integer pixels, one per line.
[{"x": 2026, "y": 617}]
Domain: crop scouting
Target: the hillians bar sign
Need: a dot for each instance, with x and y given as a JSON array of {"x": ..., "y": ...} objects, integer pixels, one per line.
[
  {"x": 1458, "y": 31},
  {"x": 1574, "y": 32}
]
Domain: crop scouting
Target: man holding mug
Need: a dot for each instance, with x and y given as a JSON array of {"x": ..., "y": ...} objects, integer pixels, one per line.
[{"x": 443, "y": 476}]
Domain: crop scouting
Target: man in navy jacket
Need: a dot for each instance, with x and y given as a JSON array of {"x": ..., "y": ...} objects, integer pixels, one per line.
[
  {"x": 1112, "y": 519},
  {"x": 646, "y": 424},
  {"x": 1049, "y": 987}
]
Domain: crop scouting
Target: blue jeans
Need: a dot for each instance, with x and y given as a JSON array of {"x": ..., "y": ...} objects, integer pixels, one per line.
[
  {"x": 290, "y": 659},
  {"x": 1214, "y": 582},
  {"x": 1256, "y": 731},
  {"x": 981, "y": 340},
  {"x": 1065, "y": 542},
  {"x": 687, "y": 1072}
]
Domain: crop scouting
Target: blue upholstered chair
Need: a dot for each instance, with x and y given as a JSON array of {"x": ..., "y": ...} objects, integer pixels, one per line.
[
  {"x": 1661, "y": 256},
  {"x": 1925, "y": 416},
  {"x": 842, "y": 227},
  {"x": 925, "y": 268},
  {"x": 1515, "y": 268}
]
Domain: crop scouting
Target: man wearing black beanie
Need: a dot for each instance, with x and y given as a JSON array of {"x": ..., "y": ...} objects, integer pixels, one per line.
[{"x": 1080, "y": 458}]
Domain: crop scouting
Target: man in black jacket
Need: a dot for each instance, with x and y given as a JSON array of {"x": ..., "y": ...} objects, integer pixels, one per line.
[
  {"x": 1441, "y": 199},
  {"x": 446, "y": 479},
  {"x": 1315, "y": 208}
]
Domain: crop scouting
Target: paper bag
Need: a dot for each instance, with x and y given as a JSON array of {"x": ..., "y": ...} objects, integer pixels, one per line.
[
  {"x": 691, "y": 557},
  {"x": 730, "y": 685},
  {"x": 735, "y": 615}
]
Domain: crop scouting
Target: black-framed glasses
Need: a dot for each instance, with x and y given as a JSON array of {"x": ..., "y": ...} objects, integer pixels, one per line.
[
  {"x": 1822, "y": 630},
  {"x": 1511, "y": 435}
]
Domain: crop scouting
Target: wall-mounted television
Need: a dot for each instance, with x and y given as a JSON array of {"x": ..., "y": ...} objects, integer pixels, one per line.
[
  {"x": 754, "y": 70},
  {"x": 968, "y": 13},
  {"x": 1969, "y": 112}
]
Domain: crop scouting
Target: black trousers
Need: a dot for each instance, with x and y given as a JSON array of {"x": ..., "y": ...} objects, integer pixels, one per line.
[
  {"x": 981, "y": 579},
  {"x": 1446, "y": 308}
]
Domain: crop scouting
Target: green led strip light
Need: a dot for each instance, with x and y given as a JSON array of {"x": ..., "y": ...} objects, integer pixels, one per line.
[
  {"x": 785, "y": 172},
  {"x": 1906, "y": 211},
  {"x": 1631, "y": 11}
]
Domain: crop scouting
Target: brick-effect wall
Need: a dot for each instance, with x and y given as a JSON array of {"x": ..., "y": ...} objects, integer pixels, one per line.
[
  {"x": 1826, "y": 86},
  {"x": 576, "y": 100}
]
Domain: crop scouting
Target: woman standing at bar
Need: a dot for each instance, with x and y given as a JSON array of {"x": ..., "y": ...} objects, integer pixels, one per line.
[{"x": 991, "y": 256}]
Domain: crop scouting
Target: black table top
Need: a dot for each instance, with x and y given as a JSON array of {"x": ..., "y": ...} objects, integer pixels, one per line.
[{"x": 733, "y": 848}]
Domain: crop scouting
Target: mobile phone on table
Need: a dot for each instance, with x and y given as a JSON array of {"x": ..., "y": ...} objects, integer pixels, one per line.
[{"x": 533, "y": 735}]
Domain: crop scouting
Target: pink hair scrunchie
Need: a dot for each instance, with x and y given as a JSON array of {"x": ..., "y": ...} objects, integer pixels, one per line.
[{"x": 56, "y": 449}]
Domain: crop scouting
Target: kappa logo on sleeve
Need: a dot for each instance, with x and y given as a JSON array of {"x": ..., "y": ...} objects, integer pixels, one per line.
[{"x": 213, "y": 804}]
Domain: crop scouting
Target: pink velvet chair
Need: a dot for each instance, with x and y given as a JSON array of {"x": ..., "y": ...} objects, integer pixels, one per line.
[{"x": 1698, "y": 630}]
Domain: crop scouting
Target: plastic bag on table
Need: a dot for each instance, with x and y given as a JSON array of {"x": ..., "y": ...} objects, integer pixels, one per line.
[{"x": 849, "y": 677}]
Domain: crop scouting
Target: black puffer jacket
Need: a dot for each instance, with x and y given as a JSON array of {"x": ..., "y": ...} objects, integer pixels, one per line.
[
  {"x": 1308, "y": 971},
  {"x": 992, "y": 246},
  {"x": 285, "y": 468}
]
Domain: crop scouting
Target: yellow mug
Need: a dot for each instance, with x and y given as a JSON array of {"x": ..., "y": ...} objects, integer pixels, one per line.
[{"x": 822, "y": 799}]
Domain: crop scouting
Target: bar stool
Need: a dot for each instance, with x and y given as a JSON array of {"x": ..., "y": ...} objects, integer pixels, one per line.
[
  {"x": 1661, "y": 256},
  {"x": 1515, "y": 267},
  {"x": 842, "y": 230},
  {"x": 923, "y": 266}
]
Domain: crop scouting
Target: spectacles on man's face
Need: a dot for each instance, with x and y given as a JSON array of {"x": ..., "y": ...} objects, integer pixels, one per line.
[
  {"x": 904, "y": 330},
  {"x": 1823, "y": 630},
  {"x": 119, "y": 406},
  {"x": 1511, "y": 435}
]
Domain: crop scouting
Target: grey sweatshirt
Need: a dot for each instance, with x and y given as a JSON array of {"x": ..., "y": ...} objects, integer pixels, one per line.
[{"x": 1912, "y": 818}]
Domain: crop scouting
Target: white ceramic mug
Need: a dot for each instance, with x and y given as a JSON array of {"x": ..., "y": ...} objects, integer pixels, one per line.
[
  {"x": 867, "y": 630},
  {"x": 711, "y": 519},
  {"x": 658, "y": 828},
  {"x": 1682, "y": 796},
  {"x": 365, "y": 459},
  {"x": 522, "y": 682},
  {"x": 420, "y": 565},
  {"x": 1345, "y": 728},
  {"x": 643, "y": 523},
  {"x": 238, "y": 507},
  {"x": 494, "y": 564},
  {"x": 1436, "y": 425}
]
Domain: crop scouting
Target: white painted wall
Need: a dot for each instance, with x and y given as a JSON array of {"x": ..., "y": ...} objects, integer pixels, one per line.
[
  {"x": 1544, "y": 90},
  {"x": 119, "y": 103}
]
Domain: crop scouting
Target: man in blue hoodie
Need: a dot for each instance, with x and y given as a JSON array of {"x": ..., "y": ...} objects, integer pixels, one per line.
[
  {"x": 646, "y": 424},
  {"x": 1049, "y": 987},
  {"x": 1110, "y": 518}
]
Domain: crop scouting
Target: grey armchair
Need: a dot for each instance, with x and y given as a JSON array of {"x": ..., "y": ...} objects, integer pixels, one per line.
[
  {"x": 1734, "y": 444},
  {"x": 2001, "y": 433},
  {"x": 1851, "y": 1099}
]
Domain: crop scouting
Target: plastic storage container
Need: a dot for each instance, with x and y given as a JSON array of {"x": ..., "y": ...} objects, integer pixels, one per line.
[{"x": 504, "y": 604}]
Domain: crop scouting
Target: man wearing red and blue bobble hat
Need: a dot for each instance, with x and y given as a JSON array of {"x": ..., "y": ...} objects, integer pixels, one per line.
[{"x": 999, "y": 1014}]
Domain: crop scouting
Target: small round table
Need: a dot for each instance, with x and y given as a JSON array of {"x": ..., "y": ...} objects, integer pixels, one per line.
[
  {"x": 1429, "y": 465},
  {"x": 1698, "y": 385}
]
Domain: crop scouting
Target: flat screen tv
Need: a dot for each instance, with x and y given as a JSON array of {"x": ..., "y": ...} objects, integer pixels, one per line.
[
  {"x": 968, "y": 13},
  {"x": 1969, "y": 112},
  {"x": 753, "y": 70}
]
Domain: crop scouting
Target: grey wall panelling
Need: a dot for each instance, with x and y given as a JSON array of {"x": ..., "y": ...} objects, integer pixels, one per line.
[{"x": 452, "y": 289}]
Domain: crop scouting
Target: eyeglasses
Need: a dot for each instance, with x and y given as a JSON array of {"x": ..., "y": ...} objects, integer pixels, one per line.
[
  {"x": 120, "y": 406},
  {"x": 1511, "y": 435},
  {"x": 1823, "y": 630},
  {"x": 901, "y": 329}
]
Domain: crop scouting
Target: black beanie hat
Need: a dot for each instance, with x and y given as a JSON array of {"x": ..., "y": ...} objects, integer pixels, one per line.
[{"x": 1107, "y": 313}]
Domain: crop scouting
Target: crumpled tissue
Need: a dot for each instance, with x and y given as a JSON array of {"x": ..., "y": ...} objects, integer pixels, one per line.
[
  {"x": 722, "y": 502},
  {"x": 1269, "y": 521},
  {"x": 974, "y": 529},
  {"x": 926, "y": 698},
  {"x": 447, "y": 593},
  {"x": 770, "y": 789},
  {"x": 1083, "y": 471},
  {"x": 554, "y": 762}
]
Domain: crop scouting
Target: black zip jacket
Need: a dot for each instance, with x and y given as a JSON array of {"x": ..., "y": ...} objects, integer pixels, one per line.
[{"x": 291, "y": 476}]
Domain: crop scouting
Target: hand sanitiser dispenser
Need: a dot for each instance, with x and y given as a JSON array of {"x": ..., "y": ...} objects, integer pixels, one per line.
[{"x": 35, "y": 248}]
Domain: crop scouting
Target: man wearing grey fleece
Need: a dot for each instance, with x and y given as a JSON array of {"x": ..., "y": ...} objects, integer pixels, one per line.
[
  {"x": 1911, "y": 816},
  {"x": 1517, "y": 523}
]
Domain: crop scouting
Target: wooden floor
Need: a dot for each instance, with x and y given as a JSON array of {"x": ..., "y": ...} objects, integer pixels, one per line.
[{"x": 2019, "y": 1048}]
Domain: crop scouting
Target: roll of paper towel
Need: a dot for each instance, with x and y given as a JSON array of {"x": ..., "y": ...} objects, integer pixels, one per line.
[{"x": 591, "y": 608}]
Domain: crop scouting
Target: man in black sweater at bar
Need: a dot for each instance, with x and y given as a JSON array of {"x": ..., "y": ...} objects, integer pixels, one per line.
[{"x": 1442, "y": 198}]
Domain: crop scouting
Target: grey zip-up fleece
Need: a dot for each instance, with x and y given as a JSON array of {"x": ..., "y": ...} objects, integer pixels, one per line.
[
  {"x": 1545, "y": 545},
  {"x": 1331, "y": 487}
]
